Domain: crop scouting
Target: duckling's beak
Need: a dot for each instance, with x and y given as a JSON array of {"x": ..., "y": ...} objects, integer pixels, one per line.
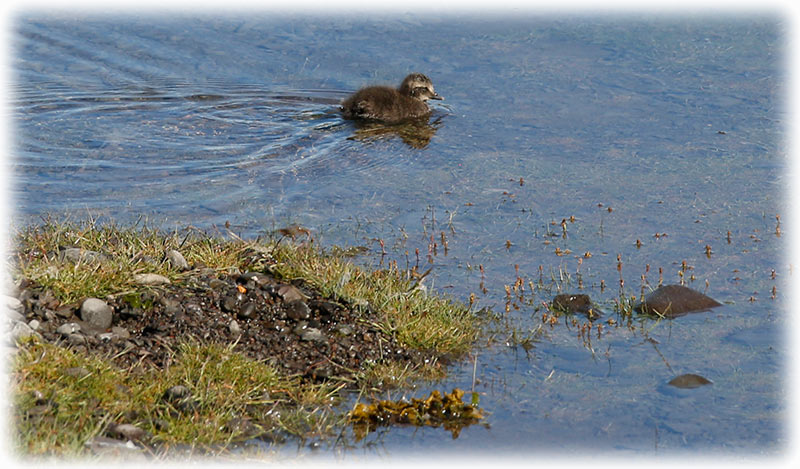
[{"x": 436, "y": 96}]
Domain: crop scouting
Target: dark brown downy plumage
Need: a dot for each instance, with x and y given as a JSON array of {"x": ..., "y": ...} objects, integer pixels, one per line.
[{"x": 390, "y": 105}]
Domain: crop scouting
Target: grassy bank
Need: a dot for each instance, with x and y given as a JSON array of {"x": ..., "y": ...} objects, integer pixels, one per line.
[{"x": 65, "y": 396}]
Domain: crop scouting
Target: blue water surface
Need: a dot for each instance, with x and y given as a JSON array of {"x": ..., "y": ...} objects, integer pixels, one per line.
[{"x": 654, "y": 142}]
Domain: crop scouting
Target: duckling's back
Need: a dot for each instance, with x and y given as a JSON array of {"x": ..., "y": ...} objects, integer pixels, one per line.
[{"x": 384, "y": 104}]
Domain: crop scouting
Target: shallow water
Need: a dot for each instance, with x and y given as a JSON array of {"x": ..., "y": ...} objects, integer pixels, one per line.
[{"x": 634, "y": 126}]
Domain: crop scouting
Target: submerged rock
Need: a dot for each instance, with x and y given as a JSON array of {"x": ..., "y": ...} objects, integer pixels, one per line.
[
  {"x": 689, "y": 381},
  {"x": 576, "y": 304},
  {"x": 675, "y": 300}
]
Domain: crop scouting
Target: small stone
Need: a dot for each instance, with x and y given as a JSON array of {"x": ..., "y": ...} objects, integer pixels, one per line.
[
  {"x": 22, "y": 331},
  {"x": 121, "y": 332},
  {"x": 97, "y": 313},
  {"x": 344, "y": 329},
  {"x": 107, "y": 448},
  {"x": 291, "y": 293},
  {"x": 76, "y": 339},
  {"x": 217, "y": 284},
  {"x": 675, "y": 300},
  {"x": 106, "y": 336},
  {"x": 234, "y": 328},
  {"x": 228, "y": 304},
  {"x": 14, "y": 316},
  {"x": 569, "y": 303},
  {"x": 176, "y": 393},
  {"x": 180, "y": 397},
  {"x": 66, "y": 311},
  {"x": 312, "y": 334},
  {"x": 13, "y": 304},
  {"x": 297, "y": 310},
  {"x": 689, "y": 381},
  {"x": 176, "y": 260},
  {"x": 68, "y": 328},
  {"x": 34, "y": 324},
  {"x": 128, "y": 431},
  {"x": 171, "y": 306},
  {"x": 256, "y": 277},
  {"x": 151, "y": 279},
  {"x": 247, "y": 310},
  {"x": 76, "y": 255}
]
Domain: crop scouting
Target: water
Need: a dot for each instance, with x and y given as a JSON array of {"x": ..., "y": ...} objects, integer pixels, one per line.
[{"x": 665, "y": 130}]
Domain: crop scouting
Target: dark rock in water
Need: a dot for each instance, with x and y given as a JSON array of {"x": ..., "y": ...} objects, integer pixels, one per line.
[
  {"x": 576, "y": 304},
  {"x": 689, "y": 381},
  {"x": 675, "y": 300}
]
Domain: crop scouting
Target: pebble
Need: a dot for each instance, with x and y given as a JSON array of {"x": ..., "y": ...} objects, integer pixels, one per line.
[
  {"x": 176, "y": 393},
  {"x": 312, "y": 334},
  {"x": 180, "y": 397},
  {"x": 131, "y": 432},
  {"x": 68, "y": 328},
  {"x": 256, "y": 277},
  {"x": 34, "y": 324},
  {"x": 247, "y": 310},
  {"x": 105, "y": 447},
  {"x": 344, "y": 329},
  {"x": 14, "y": 316},
  {"x": 216, "y": 284},
  {"x": 21, "y": 331},
  {"x": 106, "y": 336},
  {"x": 297, "y": 310},
  {"x": 291, "y": 293},
  {"x": 121, "y": 332},
  {"x": 151, "y": 279},
  {"x": 81, "y": 255},
  {"x": 76, "y": 339},
  {"x": 689, "y": 381},
  {"x": 176, "y": 260},
  {"x": 228, "y": 304},
  {"x": 233, "y": 326},
  {"x": 171, "y": 306},
  {"x": 66, "y": 311},
  {"x": 675, "y": 300},
  {"x": 97, "y": 313},
  {"x": 13, "y": 304}
]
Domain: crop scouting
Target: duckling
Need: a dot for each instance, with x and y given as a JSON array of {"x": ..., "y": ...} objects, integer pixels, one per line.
[{"x": 390, "y": 105}]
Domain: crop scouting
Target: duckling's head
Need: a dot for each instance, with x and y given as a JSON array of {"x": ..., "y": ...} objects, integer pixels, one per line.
[{"x": 418, "y": 86}]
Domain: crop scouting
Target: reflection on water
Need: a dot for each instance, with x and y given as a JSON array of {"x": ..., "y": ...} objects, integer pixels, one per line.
[
  {"x": 416, "y": 133},
  {"x": 579, "y": 155}
]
